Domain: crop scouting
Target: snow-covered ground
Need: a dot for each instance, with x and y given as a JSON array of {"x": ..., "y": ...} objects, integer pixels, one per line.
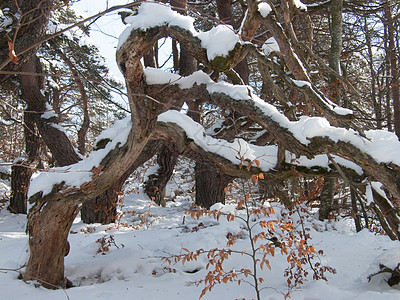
[{"x": 133, "y": 269}]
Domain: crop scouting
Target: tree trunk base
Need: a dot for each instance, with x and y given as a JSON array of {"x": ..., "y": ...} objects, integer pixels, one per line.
[
  {"x": 48, "y": 228},
  {"x": 210, "y": 185}
]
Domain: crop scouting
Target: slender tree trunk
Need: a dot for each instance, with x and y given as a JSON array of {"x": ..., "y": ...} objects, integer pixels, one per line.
[
  {"x": 85, "y": 102},
  {"x": 21, "y": 174},
  {"x": 328, "y": 190},
  {"x": 326, "y": 198},
  {"x": 354, "y": 207},
  {"x": 31, "y": 30},
  {"x": 55, "y": 139},
  {"x": 210, "y": 185},
  {"x": 388, "y": 88},
  {"x": 336, "y": 29},
  {"x": 377, "y": 106},
  {"x": 393, "y": 67}
]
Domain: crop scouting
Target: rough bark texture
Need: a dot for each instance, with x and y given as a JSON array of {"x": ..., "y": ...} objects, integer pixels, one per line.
[
  {"x": 55, "y": 139},
  {"x": 155, "y": 186},
  {"x": 21, "y": 173},
  {"x": 326, "y": 198},
  {"x": 103, "y": 208},
  {"x": 389, "y": 211},
  {"x": 32, "y": 29},
  {"x": 354, "y": 207},
  {"x": 336, "y": 30},
  {"x": 48, "y": 228},
  {"x": 52, "y": 215},
  {"x": 210, "y": 185},
  {"x": 20, "y": 178},
  {"x": 395, "y": 82}
]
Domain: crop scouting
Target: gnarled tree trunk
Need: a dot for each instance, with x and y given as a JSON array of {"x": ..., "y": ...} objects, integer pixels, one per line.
[{"x": 48, "y": 227}]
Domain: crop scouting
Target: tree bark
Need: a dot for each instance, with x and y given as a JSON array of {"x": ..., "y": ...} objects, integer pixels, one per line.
[
  {"x": 389, "y": 211},
  {"x": 20, "y": 178},
  {"x": 48, "y": 228},
  {"x": 85, "y": 102},
  {"x": 21, "y": 173},
  {"x": 103, "y": 208},
  {"x": 210, "y": 185},
  {"x": 354, "y": 207},
  {"x": 156, "y": 184},
  {"x": 393, "y": 67},
  {"x": 31, "y": 30},
  {"x": 326, "y": 198}
]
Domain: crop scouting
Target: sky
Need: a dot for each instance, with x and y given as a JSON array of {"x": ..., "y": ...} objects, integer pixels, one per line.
[{"x": 106, "y": 30}]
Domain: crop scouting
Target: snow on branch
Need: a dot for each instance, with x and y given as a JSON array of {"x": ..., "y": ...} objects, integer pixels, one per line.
[
  {"x": 381, "y": 145},
  {"x": 230, "y": 49},
  {"x": 239, "y": 149},
  {"x": 309, "y": 136},
  {"x": 151, "y": 15},
  {"x": 73, "y": 176}
]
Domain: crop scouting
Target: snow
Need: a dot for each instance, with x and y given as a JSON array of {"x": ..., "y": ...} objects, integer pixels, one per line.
[
  {"x": 342, "y": 111},
  {"x": 77, "y": 174},
  {"x": 152, "y": 14},
  {"x": 5, "y": 168},
  {"x": 135, "y": 270},
  {"x": 226, "y": 37},
  {"x": 4, "y": 122},
  {"x": 368, "y": 194},
  {"x": 49, "y": 113},
  {"x": 301, "y": 83},
  {"x": 300, "y": 5},
  {"x": 381, "y": 145},
  {"x": 266, "y": 155},
  {"x": 264, "y": 9},
  {"x": 270, "y": 45},
  {"x": 6, "y": 20},
  {"x": 323, "y": 161},
  {"x": 158, "y": 76},
  {"x": 377, "y": 186}
]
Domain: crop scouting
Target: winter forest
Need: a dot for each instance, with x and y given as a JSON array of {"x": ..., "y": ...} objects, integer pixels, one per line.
[{"x": 244, "y": 149}]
